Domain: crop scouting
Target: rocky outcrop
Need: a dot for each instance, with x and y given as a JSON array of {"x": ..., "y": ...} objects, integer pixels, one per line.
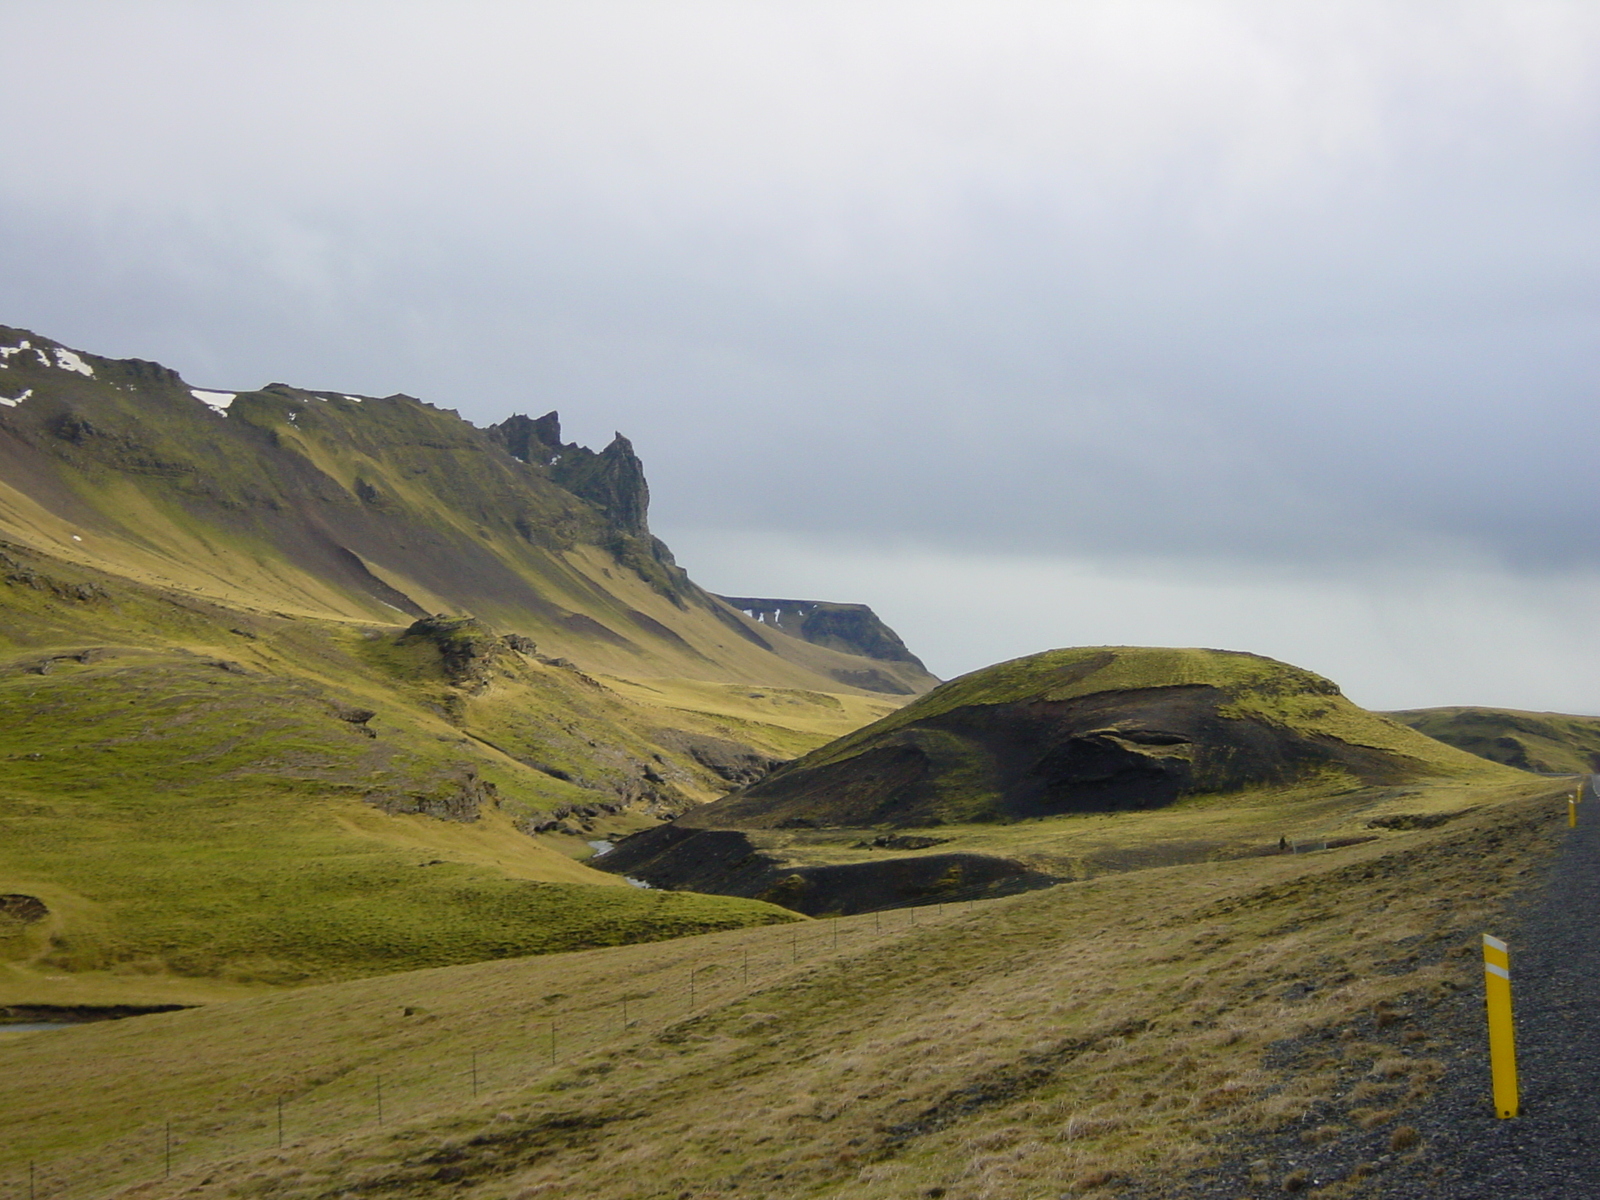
[
  {"x": 612, "y": 480},
  {"x": 733, "y": 761},
  {"x": 18, "y": 909},
  {"x": 727, "y": 862},
  {"x": 461, "y": 799},
  {"x": 468, "y": 649}
]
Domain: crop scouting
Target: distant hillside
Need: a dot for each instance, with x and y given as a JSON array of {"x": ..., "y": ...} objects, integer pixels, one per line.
[
  {"x": 1550, "y": 743},
  {"x": 386, "y": 509},
  {"x": 852, "y": 628}
]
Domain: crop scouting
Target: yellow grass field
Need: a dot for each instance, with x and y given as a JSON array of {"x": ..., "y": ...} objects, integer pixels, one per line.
[{"x": 1116, "y": 1029}]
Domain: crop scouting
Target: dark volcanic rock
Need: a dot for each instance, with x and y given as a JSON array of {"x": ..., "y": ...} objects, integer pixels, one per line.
[
  {"x": 1102, "y": 753},
  {"x": 733, "y": 761},
  {"x": 466, "y": 646},
  {"x": 25, "y": 910},
  {"x": 727, "y": 862}
]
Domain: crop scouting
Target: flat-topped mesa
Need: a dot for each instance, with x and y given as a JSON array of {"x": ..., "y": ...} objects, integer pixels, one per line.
[
  {"x": 612, "y": 480},
  {"x": 853, "y": 628}
]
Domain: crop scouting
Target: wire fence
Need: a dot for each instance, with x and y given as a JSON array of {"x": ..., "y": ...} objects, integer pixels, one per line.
[{"x": 553, "y": 1037}]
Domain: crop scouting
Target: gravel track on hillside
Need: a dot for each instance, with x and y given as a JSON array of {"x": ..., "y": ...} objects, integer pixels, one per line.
[{"x": 1551, "y": 1151}]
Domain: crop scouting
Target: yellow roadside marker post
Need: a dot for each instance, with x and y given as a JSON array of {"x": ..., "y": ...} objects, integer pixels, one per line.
[
  {"x": 1502, "y": 1036},
  {"x": 1572, "y": 812}
]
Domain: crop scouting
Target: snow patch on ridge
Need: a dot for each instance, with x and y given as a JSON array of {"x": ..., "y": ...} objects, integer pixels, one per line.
[
  {"x": 13, "y": 401},
  {"x": 217, "y": 402},
  {"x": 352, "y": 399},
  {"x": 68, "y": 360},
  {"x": 65, "y": 360}
]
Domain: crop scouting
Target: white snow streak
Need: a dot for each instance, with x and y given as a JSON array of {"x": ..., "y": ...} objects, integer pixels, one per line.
[
  {"x": 217, "y": 402},
  {"x": 68, "y": 360},
  {"x": 13, "y": 401}
]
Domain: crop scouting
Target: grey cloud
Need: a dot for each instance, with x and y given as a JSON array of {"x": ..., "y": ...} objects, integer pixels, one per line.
[{"x": 1231, "y": 281}]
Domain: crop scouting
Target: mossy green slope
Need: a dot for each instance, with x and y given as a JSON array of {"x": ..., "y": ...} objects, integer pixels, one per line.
[
  {"x": 1090, "y": 729},
  {"x": 1549, "y": 743},
  {"x": 195, "y": 791}
]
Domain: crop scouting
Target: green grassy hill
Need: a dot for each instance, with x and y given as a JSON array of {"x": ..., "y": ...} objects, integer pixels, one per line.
[
  {"x": 296, "y": 686},
  {"x": 1550, "y": 743},
  {"x": 202, "y": 797},
  {"x": 1010, "y": 778},
  {"x": 1090, "y": 729}
]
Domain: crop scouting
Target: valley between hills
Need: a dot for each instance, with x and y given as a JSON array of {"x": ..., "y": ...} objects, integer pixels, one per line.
[{"x": 450, "y": 837}]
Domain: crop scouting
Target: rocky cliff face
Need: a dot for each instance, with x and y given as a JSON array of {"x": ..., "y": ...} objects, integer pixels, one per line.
[
  {"x": 612, "y": 480},
  {"x": 847, "y": 628}
]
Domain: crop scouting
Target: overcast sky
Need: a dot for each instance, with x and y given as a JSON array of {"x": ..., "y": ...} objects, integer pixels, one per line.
[{"x": 1261, "y": 325}]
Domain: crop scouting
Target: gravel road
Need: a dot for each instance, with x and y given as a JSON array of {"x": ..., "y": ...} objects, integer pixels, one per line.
[{"x": 1552, "y": 1150}]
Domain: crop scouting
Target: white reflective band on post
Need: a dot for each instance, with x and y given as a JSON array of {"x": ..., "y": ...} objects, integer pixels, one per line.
[
  {"x": 1493, "y": 943},
  {"x": 1494, "y": 970}
]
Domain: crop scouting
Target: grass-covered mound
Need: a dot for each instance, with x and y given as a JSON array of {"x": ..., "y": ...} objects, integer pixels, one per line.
[
  {"x": 1089, "y": 730},
  {"x": 1549, "y": 743}
]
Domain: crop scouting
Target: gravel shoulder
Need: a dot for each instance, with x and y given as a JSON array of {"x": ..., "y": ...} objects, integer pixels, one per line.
[
  {"x": 1437, "y": 1137},
  {"x": 1552, "y": 1150}
]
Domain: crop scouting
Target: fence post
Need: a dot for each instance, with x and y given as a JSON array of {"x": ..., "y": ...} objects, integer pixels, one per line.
[
  {"x": 168, "y": 1151},
  {"x": 1502, "y": 1033},
  {"x": 280, "y": 1122},
  {"x": 378, "y": 1082}
]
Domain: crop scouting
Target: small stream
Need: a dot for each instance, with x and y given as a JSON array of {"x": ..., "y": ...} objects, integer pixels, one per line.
[{"x": 604, "y": 847}]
